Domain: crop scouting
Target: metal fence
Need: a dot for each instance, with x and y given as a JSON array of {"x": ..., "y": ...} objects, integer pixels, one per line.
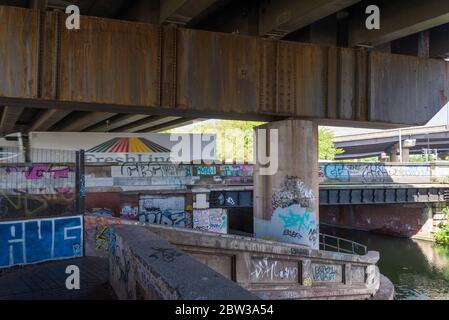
[
  {"x": 337, "y": 244},
  {"x": 40, "y": 182}
]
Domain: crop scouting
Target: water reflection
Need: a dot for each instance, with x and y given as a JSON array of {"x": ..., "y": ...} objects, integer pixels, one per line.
[{"x": 418, "y": 269}]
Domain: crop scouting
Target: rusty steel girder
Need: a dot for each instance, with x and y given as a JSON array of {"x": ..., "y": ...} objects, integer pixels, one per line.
[{"x": 157, "y": 69}]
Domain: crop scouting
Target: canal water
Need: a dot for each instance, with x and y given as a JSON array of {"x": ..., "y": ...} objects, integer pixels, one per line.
[{"x": 418, "y": 269}]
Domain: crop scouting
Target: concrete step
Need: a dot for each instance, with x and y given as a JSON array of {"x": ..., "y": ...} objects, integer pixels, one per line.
[{"x": 439, "y": 216}]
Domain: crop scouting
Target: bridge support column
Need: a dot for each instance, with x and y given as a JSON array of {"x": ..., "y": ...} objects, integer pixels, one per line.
[
  {"x": 405, "y": 155},
  {"x": 286, "y": 202},
  {"x": 394, "y": 154}
]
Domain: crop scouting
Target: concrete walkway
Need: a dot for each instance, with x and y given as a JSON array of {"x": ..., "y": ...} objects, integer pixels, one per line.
[{"x": 47, "y": 281}]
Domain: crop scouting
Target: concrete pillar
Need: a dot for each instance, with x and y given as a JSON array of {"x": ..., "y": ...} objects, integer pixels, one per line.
[
  {"x": 405, "y": 155},
  {"x": 393, "y": 153},
  {"x": 286, "y": 203}
]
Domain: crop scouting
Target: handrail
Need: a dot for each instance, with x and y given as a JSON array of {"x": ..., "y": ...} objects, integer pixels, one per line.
[{"x": 340, "y": 243}]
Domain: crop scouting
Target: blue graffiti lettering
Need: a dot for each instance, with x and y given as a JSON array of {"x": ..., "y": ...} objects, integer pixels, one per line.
[{"x": 32, "y": 241}]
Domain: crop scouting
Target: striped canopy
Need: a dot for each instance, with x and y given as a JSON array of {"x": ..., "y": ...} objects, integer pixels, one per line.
[{"x": 124, "y": 145}]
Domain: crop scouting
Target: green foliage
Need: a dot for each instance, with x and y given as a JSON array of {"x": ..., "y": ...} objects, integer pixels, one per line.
[
  {"x": 442, "y": 235},
  {"x": 327, "y": 150},
  {"x": 421, "y": 158}
]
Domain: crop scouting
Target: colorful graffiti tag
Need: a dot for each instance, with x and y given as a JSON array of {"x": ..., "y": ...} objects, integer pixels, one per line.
[
  {"x": 326, "y": 273},
  {"x": 294, "y": 218},
  {"x": 265, "y": 270},
  {"x": 144, "y": 170},
  {"x": 32, "y": 241},
  {"x": 211, "y": 220},
  {"x": 369, "y": 173},
  {"x": 163, "y": 210}
]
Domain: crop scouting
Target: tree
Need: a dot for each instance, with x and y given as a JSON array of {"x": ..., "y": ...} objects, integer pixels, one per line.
[
  {"x": 235, "y": 139},
  {"x": 326, "y": 146}
]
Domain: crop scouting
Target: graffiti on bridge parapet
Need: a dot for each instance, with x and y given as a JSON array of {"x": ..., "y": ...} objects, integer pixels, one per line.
[
  {"x": 326, "y": 273},
  {"x": 370, "y": 173},
  {"x": 267, "y": 270}
]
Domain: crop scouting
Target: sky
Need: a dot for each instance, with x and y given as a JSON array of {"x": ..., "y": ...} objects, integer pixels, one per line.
[{"x": 441, "y": 118}]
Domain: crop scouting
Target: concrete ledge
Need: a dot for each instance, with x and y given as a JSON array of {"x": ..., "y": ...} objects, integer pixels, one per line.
[
  {"x": 143, "y": 267},
  {"x": 386, "y": 289}
]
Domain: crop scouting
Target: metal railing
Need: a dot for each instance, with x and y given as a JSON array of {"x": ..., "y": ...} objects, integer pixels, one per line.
[{"x": 341, "y": 245}]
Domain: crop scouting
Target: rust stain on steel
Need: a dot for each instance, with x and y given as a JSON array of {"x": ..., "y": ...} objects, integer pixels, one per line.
[
  {"x": 49, "y": 43},
  {"x": 303, "y": 89},
  {"x": 110, "y": 61},
  {"x": 169, "y": 36},
  {"x": 217, "y": 71},
  {"x": 19, "y": 52},
  {"x": 406, "y": 89}
]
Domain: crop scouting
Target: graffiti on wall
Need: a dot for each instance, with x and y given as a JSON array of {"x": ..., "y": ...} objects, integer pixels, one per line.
[
  {"x": 37, "y": 179},
  {"x": 307, "y": 278},
  {"x": 128, "y": 211},
  {"x": 237, "y": 170},
  {"x": 31, "y": 206},
  {"x": 294, "y": 217},
  {"x": 32, "y": 241},
  {"x": 162, "y": 210},
  {"x": 147, "y": 170},
  {"x": 205, "y": 170},
  {"x": 36, "y": 190},
  {"x": 211, "y": 220},
  {"x": 265, "y": 270},
  {"x": 97, "y": 234},
  {"x": 370, "y": 173},
  {"x": 326, "y": 273}
]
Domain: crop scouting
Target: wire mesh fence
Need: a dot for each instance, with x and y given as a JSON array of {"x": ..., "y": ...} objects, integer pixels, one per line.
[{"x": 38, "y": 182}]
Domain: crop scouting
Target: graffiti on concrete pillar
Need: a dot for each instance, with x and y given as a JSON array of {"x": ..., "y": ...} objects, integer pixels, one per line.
[{"x": 294, "y": 217}]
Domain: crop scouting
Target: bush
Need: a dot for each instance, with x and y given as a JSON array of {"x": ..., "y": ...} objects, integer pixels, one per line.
[{"x": 442, "y": 235}]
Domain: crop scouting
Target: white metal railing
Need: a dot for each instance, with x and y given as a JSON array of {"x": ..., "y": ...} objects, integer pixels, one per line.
[{"x": 341, "y": 245}]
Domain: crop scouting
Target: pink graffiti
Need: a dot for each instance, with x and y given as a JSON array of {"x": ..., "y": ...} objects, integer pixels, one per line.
[
  {"x": 63, "y": 190},
  {"x": 61, "y": 173},
  {"x": 36, "y": 171}
]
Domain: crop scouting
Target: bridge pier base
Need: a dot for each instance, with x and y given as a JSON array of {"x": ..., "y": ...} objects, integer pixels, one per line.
[{"x": 286, "y": 203}]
